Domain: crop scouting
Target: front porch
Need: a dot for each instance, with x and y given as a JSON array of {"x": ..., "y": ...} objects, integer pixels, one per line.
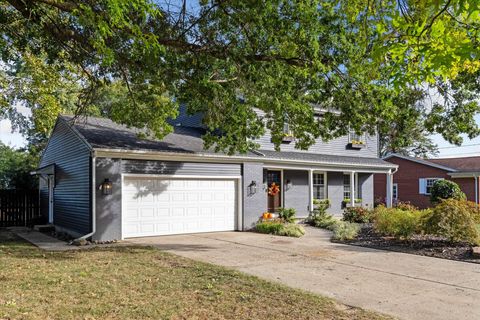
[{"x": 297, "y": 187}]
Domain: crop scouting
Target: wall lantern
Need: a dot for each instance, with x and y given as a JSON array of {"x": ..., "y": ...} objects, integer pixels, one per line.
[
  {"x": 252, "y": 187},
  {"x": 106, "y": 187},
  {"x": 288, "y": 184}
]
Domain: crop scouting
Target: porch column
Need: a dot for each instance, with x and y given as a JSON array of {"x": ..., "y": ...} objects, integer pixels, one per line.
[
  {"x": 352, "y": 189},
  {"x": 310, "y": 188},
  {"x": 388, "y": 200}
]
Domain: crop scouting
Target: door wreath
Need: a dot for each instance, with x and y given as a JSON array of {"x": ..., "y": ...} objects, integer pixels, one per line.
[{"x": 274, "y": 189}]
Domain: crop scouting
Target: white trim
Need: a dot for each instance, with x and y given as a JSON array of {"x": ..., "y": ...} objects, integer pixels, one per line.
[
  {"x": 421, "y": 161},
  {"x": 426, "y": 183},
  {"x": 310, "y": 187},
  {"x": 239, "y": 193},
  {"x": 178, "y": 176},
  {"x": 325, "y": 182},
  {"x": 471, "y": 174},
  {"x": 203, "y": 157}
]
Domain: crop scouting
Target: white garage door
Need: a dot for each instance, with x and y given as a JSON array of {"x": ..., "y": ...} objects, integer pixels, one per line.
[{"x": 173, "y": 206}]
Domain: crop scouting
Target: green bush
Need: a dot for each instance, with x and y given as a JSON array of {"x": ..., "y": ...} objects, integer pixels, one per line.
[
  {"x": 445, "y": 189},
  {"x": 357, "y": 215},
  {"x": 287, "y": 214},
  {"x": 406, "y": 206},
  {"x": 291, "y": 230},
  {"x": 270, "y": 227},
  {"x": 319, "y": 217},
  {"x": 397, "y": 222},
  {"x": 344, "y": 230},
  {"x": 280, "y": 228},
  {"x": 457, "y": 220}
]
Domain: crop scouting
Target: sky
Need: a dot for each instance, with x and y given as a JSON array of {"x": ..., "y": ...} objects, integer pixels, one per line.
[{"x": 469, "y": 147}]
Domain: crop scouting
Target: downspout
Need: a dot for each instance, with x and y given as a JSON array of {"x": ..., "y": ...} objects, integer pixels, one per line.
[
  {"x": 93, "y": 194},
  {"x": 476, "y": 190}
]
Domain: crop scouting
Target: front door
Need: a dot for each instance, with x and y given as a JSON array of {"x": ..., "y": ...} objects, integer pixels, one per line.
[{"x": 274, "y": 183}]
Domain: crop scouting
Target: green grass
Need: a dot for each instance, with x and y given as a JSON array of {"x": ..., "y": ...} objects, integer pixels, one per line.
[{"x": 143, "y": 283}]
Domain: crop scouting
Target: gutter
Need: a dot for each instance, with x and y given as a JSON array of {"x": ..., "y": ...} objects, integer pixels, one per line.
[
  {"x": 93, "y": 194},
  {"x": 140, "y": 154}
]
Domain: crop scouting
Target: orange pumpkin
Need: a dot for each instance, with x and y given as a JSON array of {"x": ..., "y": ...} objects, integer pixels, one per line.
[
  {"x": 270, "y": 216},
  {"x": 265, "y": 215}
]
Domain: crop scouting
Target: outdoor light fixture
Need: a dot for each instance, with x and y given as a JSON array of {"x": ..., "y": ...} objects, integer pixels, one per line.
[
  {"x": 106, "y": 187},
  {"x": 252, "y": 187}
]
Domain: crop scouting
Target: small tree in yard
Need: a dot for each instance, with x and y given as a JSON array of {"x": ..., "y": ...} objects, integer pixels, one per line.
[{"x": 446, "y": 189}]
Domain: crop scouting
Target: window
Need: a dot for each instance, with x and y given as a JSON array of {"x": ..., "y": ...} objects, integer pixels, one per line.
[
  {"x": 346, "y": 186},
  {"x": 426, "y": 184},
  {"x": 286, "y": 129},
  {"x": 395, "y": 191},
  {"x": 319, "y": 186}
]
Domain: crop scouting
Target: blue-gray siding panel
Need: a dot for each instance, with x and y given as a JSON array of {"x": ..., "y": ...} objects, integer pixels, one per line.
[
  {"x": 180, "y": 168},
  {"x": 336, "y": 146},
  {"x": 254, "y": 204},
  {"x": 335, "y": 192},
  {"x": 108, "y": 207},
  {"x": 71, "y": 156},
  {"x": 298, "y": 195}
]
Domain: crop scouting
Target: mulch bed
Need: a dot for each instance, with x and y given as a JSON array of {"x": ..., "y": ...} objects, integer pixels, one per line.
[{"x": 424, "y": 245}]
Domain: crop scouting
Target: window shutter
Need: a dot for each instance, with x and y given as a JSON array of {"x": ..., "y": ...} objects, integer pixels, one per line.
[{"x": 422, "y": 186}]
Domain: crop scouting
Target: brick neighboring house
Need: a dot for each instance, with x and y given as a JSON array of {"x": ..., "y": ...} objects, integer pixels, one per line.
[{"x": 415, "y": 176}]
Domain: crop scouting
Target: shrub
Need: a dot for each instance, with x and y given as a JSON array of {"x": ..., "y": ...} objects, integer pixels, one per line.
[
  {"x": 291, "y": 230},
  {"x": 319, "y": 217},
  {"x": 405, "y": 206},
  {"x": 270, "y": 226},
  {"x": 396, "y": 222},
  {"x": 287, "y": 214},
  {"x": 357, "y": 215},
  {"x": 280, "y": 228},
  {"x": 344, "y": 230},
  {"x": 454, "y": 219},
  {"x": 445, "y": 189}
]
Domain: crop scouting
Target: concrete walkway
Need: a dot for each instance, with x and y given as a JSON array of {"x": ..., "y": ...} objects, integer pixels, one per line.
[
  {"x": 402, "y": 285},
  {"x": 41, "y": 240}
]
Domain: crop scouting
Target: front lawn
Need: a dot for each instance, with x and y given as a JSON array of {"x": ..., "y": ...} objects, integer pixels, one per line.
[{"x": 142, "y": 283}]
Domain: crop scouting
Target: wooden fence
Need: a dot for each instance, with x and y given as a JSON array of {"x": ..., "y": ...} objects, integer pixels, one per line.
[{"x": 19, "y": 208}]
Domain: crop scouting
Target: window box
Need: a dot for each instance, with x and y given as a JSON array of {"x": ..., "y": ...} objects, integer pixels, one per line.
[
  {"x": 354, "y": 145},
  {"x": 288, "y": 139}
]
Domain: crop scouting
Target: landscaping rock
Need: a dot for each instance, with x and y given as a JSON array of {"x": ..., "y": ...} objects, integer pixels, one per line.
[
  {"x": 476, "y": 252},
  {"x": 80, "y": 242}
]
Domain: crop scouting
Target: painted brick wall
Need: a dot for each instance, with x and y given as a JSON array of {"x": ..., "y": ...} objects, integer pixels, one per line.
[{"x": 407, "y": 180}]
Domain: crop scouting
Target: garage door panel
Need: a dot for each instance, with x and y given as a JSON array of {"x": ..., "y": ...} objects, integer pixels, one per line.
[{"x": 174, "y": 206}]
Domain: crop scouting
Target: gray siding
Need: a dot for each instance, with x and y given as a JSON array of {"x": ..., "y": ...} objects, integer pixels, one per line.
[
  {"x": 365, "y": 184},
  {"x": 298, "y": 195},
  {"x": 180, "y": 168},
  {"x": 335, "y": 192},
  {"x": 71, "y": 156},
  {"x": 253, "y": 204},
  {"x": 108, "y": 207},
  {"x": 336, "y": 146}
]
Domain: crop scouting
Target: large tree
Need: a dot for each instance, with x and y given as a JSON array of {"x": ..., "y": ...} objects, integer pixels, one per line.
[
  {"x": 134, "y": 61},
  {"x": 15, "y": 168},
  {"x": 407, "y": 134}
]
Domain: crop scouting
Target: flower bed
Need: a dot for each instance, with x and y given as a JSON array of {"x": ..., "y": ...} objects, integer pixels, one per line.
[{"x": 424, "y": 245}]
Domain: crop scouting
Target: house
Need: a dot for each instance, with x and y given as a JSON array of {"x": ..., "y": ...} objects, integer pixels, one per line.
[
  {"x": 100, "y": 180},
  {"x": 415, "y": 177}
]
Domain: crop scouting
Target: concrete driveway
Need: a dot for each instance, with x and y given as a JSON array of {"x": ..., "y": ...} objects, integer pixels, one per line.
[{"x": 402, "y": 285}]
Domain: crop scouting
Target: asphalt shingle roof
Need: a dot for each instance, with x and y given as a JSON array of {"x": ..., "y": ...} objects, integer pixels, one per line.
[{"x": 102, "y": 133}]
